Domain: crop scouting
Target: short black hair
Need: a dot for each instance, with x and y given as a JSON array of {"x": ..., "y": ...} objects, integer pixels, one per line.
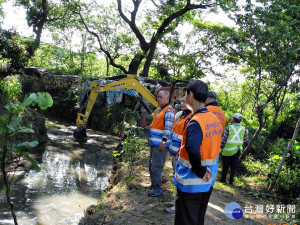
[
  {"x": 212, "y": 94},
  {"x": 199, "y": 89}
]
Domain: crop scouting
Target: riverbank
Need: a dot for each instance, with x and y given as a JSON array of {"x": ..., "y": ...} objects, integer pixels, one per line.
[
  {"x": 73, "y": 175},
  {"x": 126, "y": 200}
]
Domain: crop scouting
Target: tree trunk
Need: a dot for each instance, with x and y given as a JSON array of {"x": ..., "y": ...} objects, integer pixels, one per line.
[
  {"x": 284, "y": 155},
  {"x": 278, "y": 105},
  {"x": 38, "y": 29},
  {"x": 247, "y": 99},
  {"x": 136, "y": 62},
  {"x": 107, "y": 65},
  {"x": 149, "y": 57}
]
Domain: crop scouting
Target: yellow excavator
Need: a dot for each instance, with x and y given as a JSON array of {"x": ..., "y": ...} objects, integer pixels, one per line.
[{"x": 130, "y": 82}]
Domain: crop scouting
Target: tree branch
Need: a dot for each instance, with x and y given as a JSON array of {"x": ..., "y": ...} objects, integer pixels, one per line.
[
  {"x": 154, "y": 3},
  {"x": 277, "y": 89},
  {"x": 143, "y": 43},
  {"x": 111, "y": 59},
  {"x": 285, "y": 155},
  {"x": 177, "y": 14},
  {"x": 161, "y": 31}
]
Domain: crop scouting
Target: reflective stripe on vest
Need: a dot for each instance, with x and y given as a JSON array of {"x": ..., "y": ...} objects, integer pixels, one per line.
[
  {"x": 176, "y": 136},
  {"x": 207, "y": 162},
  {"x": 217, "y": 111},
  {"x": 185, "y": 179},
  {"x": 235, "y": 140},
  {"x": 157, "y": 128}
]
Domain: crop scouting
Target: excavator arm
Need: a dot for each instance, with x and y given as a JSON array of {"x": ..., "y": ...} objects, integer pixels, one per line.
[{"x": 127, "y": 83}]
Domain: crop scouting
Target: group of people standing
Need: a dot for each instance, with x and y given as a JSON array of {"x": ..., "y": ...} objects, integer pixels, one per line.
[{"x": 193, "y": 137}]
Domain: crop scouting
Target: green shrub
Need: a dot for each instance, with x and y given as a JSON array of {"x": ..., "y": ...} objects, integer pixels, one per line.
[
  {"x": 287, "y": 183},
  {"x": 10, "y": 88},
  {"x": 255, "y": 167}
]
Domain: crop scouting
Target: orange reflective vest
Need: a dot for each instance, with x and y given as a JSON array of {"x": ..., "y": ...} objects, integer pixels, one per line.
[
  {"x": 185, "y": 179},
  {"x": 176, "y": 137},
  {"x": 219, "y": 113},
  {"x": 157, "y": 128}
]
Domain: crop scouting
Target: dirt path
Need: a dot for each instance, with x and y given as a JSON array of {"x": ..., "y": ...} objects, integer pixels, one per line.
[{"x": 128, "y": 203}]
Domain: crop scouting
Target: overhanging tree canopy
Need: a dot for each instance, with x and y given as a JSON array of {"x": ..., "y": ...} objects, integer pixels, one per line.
[{"x": 143, "y": 32}]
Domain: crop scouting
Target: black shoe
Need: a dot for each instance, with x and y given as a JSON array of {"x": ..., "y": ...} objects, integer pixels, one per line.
[
  {"x": 169, "y": 211},
  {"x": 154, "y": 193},
  {"x": 223, "y": 181}
]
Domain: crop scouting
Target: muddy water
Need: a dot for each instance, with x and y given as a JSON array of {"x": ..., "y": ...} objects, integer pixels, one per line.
[{"x": 72, "y": 177}]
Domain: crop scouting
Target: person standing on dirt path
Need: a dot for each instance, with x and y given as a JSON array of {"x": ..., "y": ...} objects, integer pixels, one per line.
[
  {"x": 213, "y": 106},
  {"x": 197, "y": 163},
  {"x": 159, "y": 140},
  {"x": 232, "y": 146},
  {"x": 181, "y": 120}
]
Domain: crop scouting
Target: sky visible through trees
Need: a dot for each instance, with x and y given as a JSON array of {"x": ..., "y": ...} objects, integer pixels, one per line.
[{"x": 15, "y": 18}]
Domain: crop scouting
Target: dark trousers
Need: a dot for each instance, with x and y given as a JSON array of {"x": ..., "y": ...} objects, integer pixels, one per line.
[
  {"x": 190, "y": 208},
  {"x": 156, "y": 165},
  {"x": 232, "y": 162}
]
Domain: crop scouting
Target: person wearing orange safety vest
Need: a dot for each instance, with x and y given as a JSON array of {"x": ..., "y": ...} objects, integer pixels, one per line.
[
  {"x": 176, "y": 136},
  {"x": 159, "y": 140},
  {"x": 197, "y": 163},
  {"x": 213, "y": 106},
  {"x": 181, "y": 120}
]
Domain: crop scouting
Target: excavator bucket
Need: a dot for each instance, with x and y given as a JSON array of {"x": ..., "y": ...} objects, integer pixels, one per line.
[{"x": 80, "y": 134}]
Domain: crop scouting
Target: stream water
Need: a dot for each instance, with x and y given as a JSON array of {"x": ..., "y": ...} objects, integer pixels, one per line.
[{"x": 72, "y": 177}]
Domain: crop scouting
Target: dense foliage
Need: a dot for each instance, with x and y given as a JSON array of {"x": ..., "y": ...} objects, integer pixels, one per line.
[{"x": 12, "y": 53}]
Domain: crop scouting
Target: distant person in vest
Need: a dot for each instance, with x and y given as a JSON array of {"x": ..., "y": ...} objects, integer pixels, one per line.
[
  {"x": 232, "y": 145},
  {"x": 159, "y": 140},
  {"x": 197, "y": 164},
  {"x": 181, "y": 120},
  {"x": 213, "y": 106}
]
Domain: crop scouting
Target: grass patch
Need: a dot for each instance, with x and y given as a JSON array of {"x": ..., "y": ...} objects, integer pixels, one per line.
[
  {"x": 255, "y": 167},
  {"x": 253, "y": 182},
  {"x": 51, "y": 124},
  {"x": 224, "y": 187}
]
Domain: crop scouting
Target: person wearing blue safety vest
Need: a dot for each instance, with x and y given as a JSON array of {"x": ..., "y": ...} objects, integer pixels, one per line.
[
  {"x": 232, "y": 146},
  {"x": 159, "y": 140},
  {"x": 197, "y": 163}
]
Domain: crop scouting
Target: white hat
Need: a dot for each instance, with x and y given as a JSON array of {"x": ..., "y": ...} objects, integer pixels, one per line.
[{"x": 237, "y": 116}]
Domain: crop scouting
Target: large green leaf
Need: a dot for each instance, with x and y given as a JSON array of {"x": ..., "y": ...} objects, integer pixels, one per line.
[
  {"x": 28, "y": 100},
  {"x": 25, "y": 130},
  {"x": 26, "y": 144},
  {"x": 10, "y": 127},
  {"x": 15, "y": 121},
  {"x": 44, "y": 100}
]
